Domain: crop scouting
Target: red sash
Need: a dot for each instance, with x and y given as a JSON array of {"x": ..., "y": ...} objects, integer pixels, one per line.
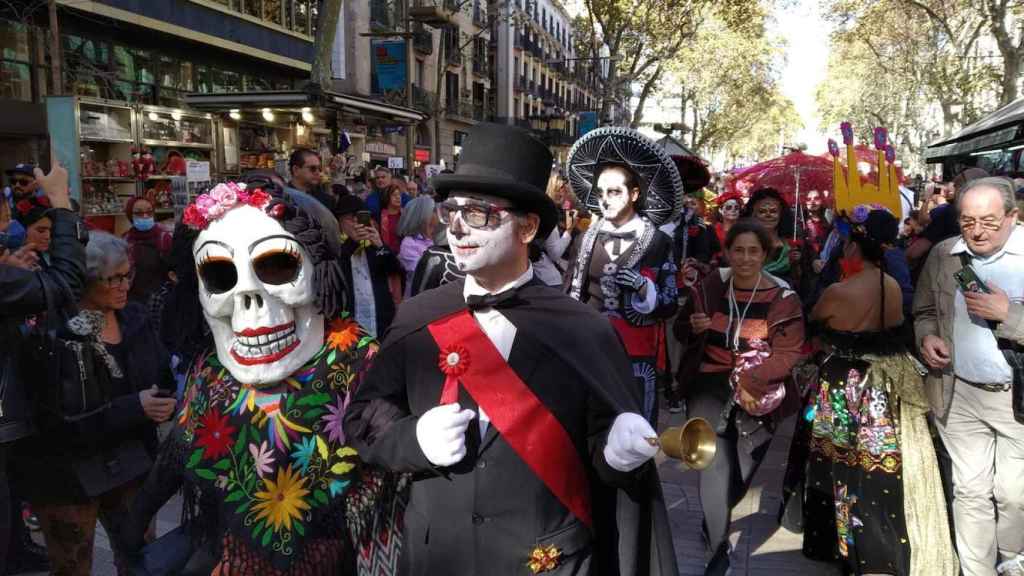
[{"x": 523, "y": 420}]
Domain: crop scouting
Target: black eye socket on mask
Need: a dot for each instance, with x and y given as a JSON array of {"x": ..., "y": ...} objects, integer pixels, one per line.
[
  {"x": 219, "y": 275},
  {"x": 278, "y": 267}
]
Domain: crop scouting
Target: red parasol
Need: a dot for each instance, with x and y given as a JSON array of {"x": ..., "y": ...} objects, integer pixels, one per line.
[{"x": 792, "y": 174}]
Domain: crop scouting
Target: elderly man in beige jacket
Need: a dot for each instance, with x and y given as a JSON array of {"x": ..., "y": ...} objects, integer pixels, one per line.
[{"x": 960, "y": 336}]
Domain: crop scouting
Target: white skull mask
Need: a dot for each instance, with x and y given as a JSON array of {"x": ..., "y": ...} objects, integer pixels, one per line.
[{"x": 257, "y": 294}]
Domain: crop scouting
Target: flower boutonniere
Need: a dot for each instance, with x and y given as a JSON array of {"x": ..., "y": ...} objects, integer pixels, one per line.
[{"x": 544, "y": 558}]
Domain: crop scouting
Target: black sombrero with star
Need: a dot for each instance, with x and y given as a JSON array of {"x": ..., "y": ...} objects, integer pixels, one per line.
[{"x": 661, "y": 196}]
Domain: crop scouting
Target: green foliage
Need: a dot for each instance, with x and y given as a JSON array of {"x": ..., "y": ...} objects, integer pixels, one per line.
[{"x": 727, "y": 77}]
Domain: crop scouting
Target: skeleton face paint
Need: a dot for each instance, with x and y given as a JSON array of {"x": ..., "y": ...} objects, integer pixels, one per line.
[
  {"x": 730, "y": 210},
  {"x": 616, "y": 197},
  {"x": 257, "y": 294},
  {"x": 479, "y": 249}
]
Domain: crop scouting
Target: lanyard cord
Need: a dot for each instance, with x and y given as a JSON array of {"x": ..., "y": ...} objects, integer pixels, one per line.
[{"x": 735, "y": 340}]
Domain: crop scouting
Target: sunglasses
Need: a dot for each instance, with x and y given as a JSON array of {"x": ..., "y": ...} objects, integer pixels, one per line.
[
  {"x": 475, "y": 215},
  {"x": 23, "y": 181}
]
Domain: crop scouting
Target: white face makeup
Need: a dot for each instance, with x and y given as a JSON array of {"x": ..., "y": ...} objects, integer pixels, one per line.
[
  {"x": 730, "y": 210},
  {"x": 616, "y": 198},
  {"x": 256, "y": 289},
  {"x": 479, "y": 249}
]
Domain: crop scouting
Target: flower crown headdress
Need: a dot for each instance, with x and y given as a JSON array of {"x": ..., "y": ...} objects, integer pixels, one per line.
[{"x": 213, "y": 205}]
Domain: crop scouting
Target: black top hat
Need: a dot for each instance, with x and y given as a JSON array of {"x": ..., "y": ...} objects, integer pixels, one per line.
[{"x": 506, "y": 162}]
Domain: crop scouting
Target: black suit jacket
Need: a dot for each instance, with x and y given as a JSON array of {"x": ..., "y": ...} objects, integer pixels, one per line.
[
  {"x": 486, "y": 514},
  {"x": 382, "y": 262}
]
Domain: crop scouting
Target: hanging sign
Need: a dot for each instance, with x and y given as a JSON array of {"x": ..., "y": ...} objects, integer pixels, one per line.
[
  {"x": 396, "y": 162},
  {"x": 388, "y": 66}
]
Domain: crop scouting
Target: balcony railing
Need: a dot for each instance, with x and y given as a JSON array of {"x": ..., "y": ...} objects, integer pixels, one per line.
[
  {"x": 423, "y": 100},
  {"x": 480, "y": 67},
  {"x": 423, "y": 42},
  {"x": 459, "y": 109},
  {"x": 453, "y": 56}
]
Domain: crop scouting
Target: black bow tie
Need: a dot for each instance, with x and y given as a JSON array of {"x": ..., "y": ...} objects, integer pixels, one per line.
[
  {"x": 618, "y": 237},
  {"x": 504, "y": 299}
]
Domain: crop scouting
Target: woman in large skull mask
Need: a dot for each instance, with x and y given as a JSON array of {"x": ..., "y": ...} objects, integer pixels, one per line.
[{"x": 270, "y": 485}]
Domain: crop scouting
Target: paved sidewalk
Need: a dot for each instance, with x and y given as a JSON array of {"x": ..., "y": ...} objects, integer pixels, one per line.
[{"x": 760, "y": 546}]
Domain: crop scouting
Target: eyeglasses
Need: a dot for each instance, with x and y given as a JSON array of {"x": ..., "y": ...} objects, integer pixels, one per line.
[
  {"x": 991, "y": 224},
  {"x": 475, "y": 215},
  {"x": 119, "y": 280},
  {"x": 313, "y": 168}
]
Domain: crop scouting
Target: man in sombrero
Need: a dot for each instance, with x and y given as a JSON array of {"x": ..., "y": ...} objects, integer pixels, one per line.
[
  {"x": 623, "y": 266},
  {"x": 512, "y": 405}
]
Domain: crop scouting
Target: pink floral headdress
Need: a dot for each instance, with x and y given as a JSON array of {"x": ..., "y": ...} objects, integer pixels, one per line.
[{"x": 210, "y": 206}]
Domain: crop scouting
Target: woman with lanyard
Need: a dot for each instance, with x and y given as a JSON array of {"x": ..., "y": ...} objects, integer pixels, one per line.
[{"x": 743, "y": 331}]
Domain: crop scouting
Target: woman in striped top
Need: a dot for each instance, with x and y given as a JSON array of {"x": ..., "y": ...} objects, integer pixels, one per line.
[{"x": 743, "y": 331}]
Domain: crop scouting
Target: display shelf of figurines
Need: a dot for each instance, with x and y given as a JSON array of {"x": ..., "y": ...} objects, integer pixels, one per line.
[
  {"x": 263, "y": 145},
  {"x": 116, "y": 150}
]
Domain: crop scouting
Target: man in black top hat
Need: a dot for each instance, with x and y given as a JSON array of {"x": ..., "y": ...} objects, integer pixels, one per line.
[{"x": 512, "y": 405}]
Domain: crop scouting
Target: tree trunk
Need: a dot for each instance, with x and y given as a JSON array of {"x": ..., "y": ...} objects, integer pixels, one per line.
[
  {"x": 996, "y": 13},
  {"x": 649, "y": 85},
  {"x": 326, "y": 28},
  {"x": 1011, "y": 72}
]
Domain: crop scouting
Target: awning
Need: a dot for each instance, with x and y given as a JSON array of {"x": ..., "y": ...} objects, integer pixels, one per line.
[
  {"x": 991, "y": 132},
  {"x": 225, "y": 101}
]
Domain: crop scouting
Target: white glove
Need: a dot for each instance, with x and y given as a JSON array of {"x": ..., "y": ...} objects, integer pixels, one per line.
[
  {"x": 441, "y": 433},
  {"x": 627, "y": 447}
]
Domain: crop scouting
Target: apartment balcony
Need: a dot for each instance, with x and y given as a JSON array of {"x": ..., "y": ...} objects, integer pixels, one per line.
[
  {"x": 423, "y": 100},
  {"x": 460, "y": 109},
  {"x": 480, "y": 17},
  {"x": 480, "y": 67},
  {"x": 423, "y": 42},
  {"x": 453, "y": 56}
]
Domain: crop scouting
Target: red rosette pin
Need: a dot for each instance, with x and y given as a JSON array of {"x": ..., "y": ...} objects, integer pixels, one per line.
[{"x": 454, "y": 362}]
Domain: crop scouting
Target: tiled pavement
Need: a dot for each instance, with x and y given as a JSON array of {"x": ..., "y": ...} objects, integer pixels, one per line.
[{"x": 760, "y": 546}]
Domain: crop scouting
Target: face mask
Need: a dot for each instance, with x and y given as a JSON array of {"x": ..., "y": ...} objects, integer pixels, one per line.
[{"x": 143, "y": 224}]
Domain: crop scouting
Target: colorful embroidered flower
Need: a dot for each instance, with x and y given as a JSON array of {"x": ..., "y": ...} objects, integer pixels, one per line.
[
  {"x": 544, "y": 558},
  {"x": 283, "y": 500},
  {"x": 214, "y": 435},
  {"x": 333, "y": 420},
  {"x": 337, "y": 487},
  {"x": 263, "y": 458},
  {"x": 304, "y": 453},
  {"x": 23, "y": 206},
  {"x": 343, "y": 334}
]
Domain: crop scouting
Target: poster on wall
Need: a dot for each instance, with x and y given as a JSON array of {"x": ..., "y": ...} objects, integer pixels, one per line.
[
  {"x": 338, "y": 50},
  {"x": 388, "y": 66}
]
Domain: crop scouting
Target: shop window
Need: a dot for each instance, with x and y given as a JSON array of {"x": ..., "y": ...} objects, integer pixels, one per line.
[
  {"x": 232, "y": 82},
  {"x": 301, "y": 10},
  {"x": 254, "y": 83},
  {"x": 15, "y": 68},
  {"x": 251, "y": 7}
]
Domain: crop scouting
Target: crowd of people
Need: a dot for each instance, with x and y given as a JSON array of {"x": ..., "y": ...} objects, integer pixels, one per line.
[{"x": 466, "y": 375}]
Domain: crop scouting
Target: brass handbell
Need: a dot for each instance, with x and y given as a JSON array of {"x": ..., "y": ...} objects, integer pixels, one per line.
[{"x": 692, "y": 443}]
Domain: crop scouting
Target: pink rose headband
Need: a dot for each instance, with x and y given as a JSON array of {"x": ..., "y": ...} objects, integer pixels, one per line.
[{"x": 211, "y": 206}]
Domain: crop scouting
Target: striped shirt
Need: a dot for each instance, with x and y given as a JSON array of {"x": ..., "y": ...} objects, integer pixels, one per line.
[{"x": 718, "y": 355}]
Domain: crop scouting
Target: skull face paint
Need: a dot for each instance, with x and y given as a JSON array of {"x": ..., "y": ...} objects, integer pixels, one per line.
[
  {"x": 730, "y": 210},
  {"x": 616, "y": 197},
  {"x": 256, "y": 290},
  {"x": 477, "y": 249}
]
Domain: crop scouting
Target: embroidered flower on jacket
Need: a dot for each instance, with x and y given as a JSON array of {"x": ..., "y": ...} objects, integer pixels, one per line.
[
  {"x": 214, "y": 435},
  {"x": 263, "y": 458},
  {"x": 342, "y": 334},
  {"x": 544, "y": 558},
  {"x": 283, "y": 500},
  {"x": 304, "y": 453},
  {"x": 333, "y": 420}
]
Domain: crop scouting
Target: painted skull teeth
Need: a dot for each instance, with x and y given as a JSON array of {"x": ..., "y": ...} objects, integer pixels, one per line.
[{"x": 264, "y": 345}]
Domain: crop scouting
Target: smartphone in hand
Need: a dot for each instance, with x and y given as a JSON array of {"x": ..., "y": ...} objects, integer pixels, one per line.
[
  {"x": 363, "y": 217},
  {"x": 969, "y": 281}
]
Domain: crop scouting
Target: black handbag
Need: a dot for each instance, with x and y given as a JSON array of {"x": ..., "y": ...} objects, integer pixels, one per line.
[{"x": 107, "y": 468}]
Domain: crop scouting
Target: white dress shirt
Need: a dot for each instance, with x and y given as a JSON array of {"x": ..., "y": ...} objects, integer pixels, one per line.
[
  {"x": 362, "y": 290},
  {"x": 647, "y": 304},
  {"x": 498, "y": 329},
  {"x": 977, "y": 358}
]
